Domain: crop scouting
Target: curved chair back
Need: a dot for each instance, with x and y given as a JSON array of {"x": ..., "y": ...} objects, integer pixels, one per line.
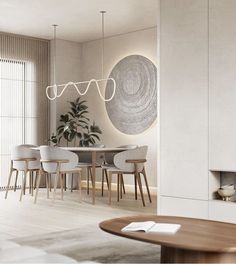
[
  {"x": 49, "y": 153},
  {"x": 139, "y": 153},
  {"x": 109, "y": 157},
  {"x": 25, "y": 152}
]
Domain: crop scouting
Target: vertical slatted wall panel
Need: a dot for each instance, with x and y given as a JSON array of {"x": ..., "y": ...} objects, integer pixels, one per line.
[{"x": 23, "y": 103}]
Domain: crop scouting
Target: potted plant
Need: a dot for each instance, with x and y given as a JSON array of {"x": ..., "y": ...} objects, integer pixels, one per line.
[{"x": 74, "y": 125}]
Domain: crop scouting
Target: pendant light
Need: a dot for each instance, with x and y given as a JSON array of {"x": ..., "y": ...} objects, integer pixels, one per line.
[
  {"x": 54, "y": 88},
  {"x": 54, "y": 58}
]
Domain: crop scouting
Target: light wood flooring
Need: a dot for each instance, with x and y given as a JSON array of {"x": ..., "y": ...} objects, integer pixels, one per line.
[{"x": 23, "y": 219}]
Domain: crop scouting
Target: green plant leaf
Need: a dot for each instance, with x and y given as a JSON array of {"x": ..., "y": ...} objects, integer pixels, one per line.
[
  {"x": 73, "y": 104},
  {"x": 79, "y": 135},
  {"x": 71, "y": 114},
  {"x": 95, "y": 135},
  {"x": 95, "y": 129},
  {"x": 83, "y": 122},
  {"x": 81, "y": 113}
]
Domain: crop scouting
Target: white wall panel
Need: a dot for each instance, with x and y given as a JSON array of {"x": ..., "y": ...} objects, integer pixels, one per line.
[
  {"x": 222, "y": 85},
  {"x": 184, "y": 98},
  {"x": 222, "y": 211},
  {"x": 184, "y": 207}
]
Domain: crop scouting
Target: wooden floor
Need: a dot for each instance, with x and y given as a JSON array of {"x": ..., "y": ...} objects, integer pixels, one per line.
[{"x": 22, "y": 219}]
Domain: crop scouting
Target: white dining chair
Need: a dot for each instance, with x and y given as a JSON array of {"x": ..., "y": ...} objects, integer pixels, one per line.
[
  {"x": 55, "y": 160},
  {"x": 130, "y": 162},
  {"x": 109, "y": 162},
  {"x": 85, "y": 161},
  {"x": 27, "y": 160}
]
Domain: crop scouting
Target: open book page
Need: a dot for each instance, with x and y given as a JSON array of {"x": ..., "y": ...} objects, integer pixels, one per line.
[
  {"x": 138, "y": 226},
  {"x": 150, "y": 226},
  {"x": 164, "y": 228}
]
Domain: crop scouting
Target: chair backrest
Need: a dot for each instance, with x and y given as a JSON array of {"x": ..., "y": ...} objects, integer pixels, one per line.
[
  {"x": 56, "y": 153},
  {"x": 109, "y": 157},
  {"x": 139, "y": 153},
  {"x": 25, "y": 152}
]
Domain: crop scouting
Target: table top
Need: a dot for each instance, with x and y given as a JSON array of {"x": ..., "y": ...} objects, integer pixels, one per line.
[
  {"x": 194, "y": 234},
  {"x": 90, "y": 149}
]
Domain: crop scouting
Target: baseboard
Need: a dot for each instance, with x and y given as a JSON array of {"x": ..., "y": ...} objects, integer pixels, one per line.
[{"x": 128, "y": 187}]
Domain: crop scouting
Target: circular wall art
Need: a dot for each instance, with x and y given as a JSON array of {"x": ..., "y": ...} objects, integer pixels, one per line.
[{"x": 134, "y": 106}]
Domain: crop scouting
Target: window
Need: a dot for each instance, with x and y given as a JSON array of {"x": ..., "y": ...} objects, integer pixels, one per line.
[
  {"x": 23, "y": 103},
  {"x": 16, "y": 118}
]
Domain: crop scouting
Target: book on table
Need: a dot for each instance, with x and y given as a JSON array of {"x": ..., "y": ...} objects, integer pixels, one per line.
[{"x": 151, "y": 226}]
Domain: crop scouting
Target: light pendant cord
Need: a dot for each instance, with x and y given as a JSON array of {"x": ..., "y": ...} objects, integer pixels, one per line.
[
  {"x": 54, "y": 58},
  {"x": 103, "y": 37}
]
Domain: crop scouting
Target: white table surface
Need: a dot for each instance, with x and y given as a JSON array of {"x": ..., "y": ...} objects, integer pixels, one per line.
[{"x": 90, "y": 149}]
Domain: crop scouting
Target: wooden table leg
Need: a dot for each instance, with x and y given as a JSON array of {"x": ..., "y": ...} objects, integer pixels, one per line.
[
  {"x": 94, "y": 155},
  {"x": 175, "y": 255}
]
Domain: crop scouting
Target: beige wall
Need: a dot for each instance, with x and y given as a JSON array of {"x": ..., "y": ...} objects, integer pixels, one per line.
[
  {"x": 142, "y": 42},
  {"x": 68, "y": 68}
]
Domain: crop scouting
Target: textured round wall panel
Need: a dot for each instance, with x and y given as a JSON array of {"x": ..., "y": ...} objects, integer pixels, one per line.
[{"x": 134, "y": 106}]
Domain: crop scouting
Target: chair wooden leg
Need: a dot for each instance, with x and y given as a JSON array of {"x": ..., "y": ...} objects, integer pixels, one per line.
[
  {"x": 135, "y": 186},
  {"x": 121, "y": 186},
  {"x": 61, "y": 183},
  {"x": 37, "y": 186},
  {"x": 23, "y": 184},
  {"x": 118, "y": 187},
  {"x": 55, "y": 185},
  {"x": 146, "y": 183},
  {"x": 140, "y": 187},
  {"x": 110, "y": 179},
  {"x": 123, "y": 183},
  {"x": 35, "y": 180},
  {"x": 91, "y": 176},
  {"x": 15, "y": 185},
  {"x": 50, "y": 182},
  {"x": 80, "y": 186},
  {"x": 47, "y": 184},
  {"x": 9, "y": 181},
  {"x": 72, "y": 180},
  {"x": 64, "y": 177},
  {"x": 32, "y": 182},
  {"x": 33, "y": 174},
  {"x": 103, "y": 172},
  {"x": 107, "y": 179},
  {"x": 87, "y": 180}
]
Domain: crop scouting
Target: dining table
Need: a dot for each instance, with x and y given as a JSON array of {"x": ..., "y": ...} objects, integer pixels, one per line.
[{"x": 94, "y": 151}]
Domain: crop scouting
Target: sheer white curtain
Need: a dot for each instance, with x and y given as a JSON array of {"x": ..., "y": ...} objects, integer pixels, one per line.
[{"x": 23, "y": 104}]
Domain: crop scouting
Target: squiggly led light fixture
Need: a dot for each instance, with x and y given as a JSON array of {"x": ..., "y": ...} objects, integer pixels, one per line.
[
  {"x": 53, "y": 94},
  {"x": 65, "y": 86}
]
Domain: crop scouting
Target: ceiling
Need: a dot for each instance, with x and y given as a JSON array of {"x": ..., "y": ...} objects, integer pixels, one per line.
[{"x": 78, "y": 20}]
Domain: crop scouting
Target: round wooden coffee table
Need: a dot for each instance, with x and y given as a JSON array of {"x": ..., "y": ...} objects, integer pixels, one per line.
[{"x": 197, "y": 241}]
